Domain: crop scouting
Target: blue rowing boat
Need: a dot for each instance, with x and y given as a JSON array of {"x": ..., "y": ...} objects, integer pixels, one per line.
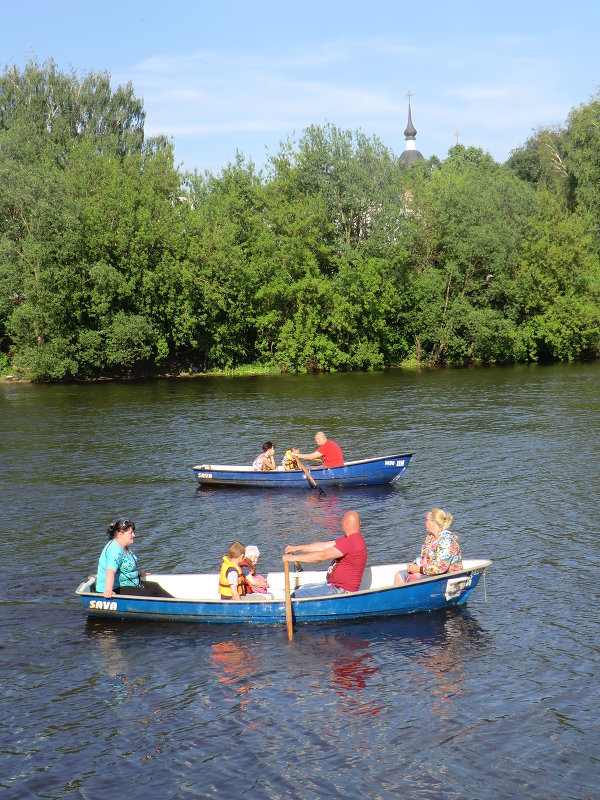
[
  {"x": 196, "y": 598},
  {"x": 365, "y": 472}
]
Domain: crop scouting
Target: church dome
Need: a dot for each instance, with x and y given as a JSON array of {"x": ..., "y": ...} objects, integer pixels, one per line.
[{"x": 410, "y": 154}]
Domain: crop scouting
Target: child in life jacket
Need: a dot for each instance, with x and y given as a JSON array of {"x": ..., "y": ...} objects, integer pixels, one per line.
[
  {"x": 289, "y": 462},
  {"x": 254, "y": 583},
  {"x": 232, "y": 585}
]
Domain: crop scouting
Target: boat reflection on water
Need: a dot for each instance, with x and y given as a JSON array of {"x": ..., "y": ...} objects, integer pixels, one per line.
[
  {"x": 352, "y": 670},
  {"x": 430, "y": 653},
  {"x": 121, "y": 674},
  {"x": 284, "y": 517},
  {"x": 321, "y": 515},
  {"x": 120, "y": 679},
  {"x": 442, "y": 666},
  {"x": 343, "y": 658},
  {"x": 362, "y": 664},
  {"x": 325, "y": 513},
  {"x": 234, "y": 664}
]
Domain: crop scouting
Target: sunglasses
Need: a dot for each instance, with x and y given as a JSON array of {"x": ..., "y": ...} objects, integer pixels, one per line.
[{"x": 124, "y": 525}]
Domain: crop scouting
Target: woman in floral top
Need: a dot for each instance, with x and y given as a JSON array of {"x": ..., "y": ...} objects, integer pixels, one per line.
[{"x": 440, "y": 552}]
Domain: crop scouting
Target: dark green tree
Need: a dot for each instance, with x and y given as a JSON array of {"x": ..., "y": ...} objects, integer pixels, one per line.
[
  {"x": 221, "y": 281},
  {"x": 88, "y": 216},
  {"x": 469, "y": 218},
  {"x": 583, "y": 160},
  {"x": 556, "y": 298}
]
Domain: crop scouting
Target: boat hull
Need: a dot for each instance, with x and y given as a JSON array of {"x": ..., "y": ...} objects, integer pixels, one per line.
[
  {"x": 430, "y": 594},
  {"x": 365, "y": 472}
]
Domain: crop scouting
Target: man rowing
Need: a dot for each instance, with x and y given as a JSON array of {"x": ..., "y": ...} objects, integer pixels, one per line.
[
  {"x": 349, "y": 554},
  {"x": 328, "y": 452}
]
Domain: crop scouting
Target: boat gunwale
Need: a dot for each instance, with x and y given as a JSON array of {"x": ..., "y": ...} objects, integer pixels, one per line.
[
  {"x": 479, "y": 567},
  {"x": 244, "y": 468}
]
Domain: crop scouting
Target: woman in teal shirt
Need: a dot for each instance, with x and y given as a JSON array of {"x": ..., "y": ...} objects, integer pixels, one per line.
[{"x": 117, "y": 566}]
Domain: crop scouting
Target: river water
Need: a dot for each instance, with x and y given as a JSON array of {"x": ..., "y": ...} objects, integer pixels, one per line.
[{"x": 495, "y": 700}]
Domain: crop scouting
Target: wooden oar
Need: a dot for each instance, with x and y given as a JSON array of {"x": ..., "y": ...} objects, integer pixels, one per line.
[
  {"x": 311, "y": 480},
  {"x": 288, "y": 601}
]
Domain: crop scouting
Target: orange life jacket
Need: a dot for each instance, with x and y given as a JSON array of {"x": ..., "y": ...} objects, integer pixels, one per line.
[
  {"x": 289, "y": 460},
  {"x": 247, "y": 585}
]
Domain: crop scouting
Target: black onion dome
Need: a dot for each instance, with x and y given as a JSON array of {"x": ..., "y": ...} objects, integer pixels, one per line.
[
  {"x": 410, "y": 156},
  {"x": 410, "y": 132}
]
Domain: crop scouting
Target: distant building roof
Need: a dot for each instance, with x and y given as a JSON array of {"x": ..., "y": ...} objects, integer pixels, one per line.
[{"x": 410, "y": 154}]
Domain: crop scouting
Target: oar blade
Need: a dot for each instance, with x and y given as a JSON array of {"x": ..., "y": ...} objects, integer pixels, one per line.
[{"x": 311, "y": 480}]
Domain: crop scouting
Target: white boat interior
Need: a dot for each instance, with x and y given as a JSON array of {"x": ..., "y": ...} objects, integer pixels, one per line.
[
  {"x": 310, "y": 467},
  {"x": 202, "y": 586},
  {"x": 245, "y": 468}
]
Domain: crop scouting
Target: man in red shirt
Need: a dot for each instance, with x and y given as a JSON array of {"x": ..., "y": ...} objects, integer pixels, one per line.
[
  {"x": 349, "y": 554},
  {"x": 328, "y": 451}
]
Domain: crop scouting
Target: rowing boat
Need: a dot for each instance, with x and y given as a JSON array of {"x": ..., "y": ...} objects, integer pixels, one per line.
[
  {"x": 364, "y": 472},
  {"x": 196, "y": 598}
]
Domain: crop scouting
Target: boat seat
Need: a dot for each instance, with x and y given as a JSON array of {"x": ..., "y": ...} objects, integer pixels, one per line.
[{"x": 379, "y": 575}]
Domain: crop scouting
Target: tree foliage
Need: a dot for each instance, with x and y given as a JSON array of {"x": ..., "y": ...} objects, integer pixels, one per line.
[{"x": 112, "y": 262}]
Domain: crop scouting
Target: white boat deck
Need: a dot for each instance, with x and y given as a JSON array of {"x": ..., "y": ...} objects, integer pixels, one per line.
[
  {"x": 205, "y": 586},
  {"x": 310, "y": 467}
]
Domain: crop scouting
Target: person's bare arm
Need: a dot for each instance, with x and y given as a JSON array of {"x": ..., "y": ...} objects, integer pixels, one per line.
[
  {"x": 314, "y": 456},
  {"x": 308, "y": 548},
  {"x": 109, "y": 582},
  {"x": 313, "y": 556}
]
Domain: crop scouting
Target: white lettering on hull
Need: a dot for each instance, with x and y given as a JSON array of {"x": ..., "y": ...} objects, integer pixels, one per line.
[{"x": 103, "y": 605}]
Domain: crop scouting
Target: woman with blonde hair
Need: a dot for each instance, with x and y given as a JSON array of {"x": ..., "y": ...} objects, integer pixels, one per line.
[{"x": 440, "y": 552}]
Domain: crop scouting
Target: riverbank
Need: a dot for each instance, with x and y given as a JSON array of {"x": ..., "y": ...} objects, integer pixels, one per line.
[
  {"x": 237, "y": 372},
  {"x": 410, "y": 365}
]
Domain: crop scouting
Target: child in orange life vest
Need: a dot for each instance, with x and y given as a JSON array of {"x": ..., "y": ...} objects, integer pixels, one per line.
[
  {"x": 254, "y": 582},
  {"x": 232, "y": 585},
  {"x": 289, "y": 462}
]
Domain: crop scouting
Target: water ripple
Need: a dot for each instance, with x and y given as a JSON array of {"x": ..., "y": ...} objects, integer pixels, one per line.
[{"x": 495, "y": 700}]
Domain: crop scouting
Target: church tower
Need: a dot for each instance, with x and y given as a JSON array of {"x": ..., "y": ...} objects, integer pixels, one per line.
[{"x": 410, "y": 154}]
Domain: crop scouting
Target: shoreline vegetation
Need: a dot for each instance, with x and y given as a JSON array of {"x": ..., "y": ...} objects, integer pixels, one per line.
[
  {"x": 233, "y": 372},
  {"x": 410, "y": 365},
  {"x": 337, "y": 257}
]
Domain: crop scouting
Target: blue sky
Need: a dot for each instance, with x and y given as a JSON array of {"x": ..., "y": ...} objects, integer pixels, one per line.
[{"x": 224, "y": 76}]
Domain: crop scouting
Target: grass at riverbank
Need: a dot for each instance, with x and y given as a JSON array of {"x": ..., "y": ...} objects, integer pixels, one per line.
[{"x": 8, "y": 375}]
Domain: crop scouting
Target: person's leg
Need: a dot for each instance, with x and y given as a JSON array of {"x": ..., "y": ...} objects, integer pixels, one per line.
[
  {"x": 154, "y": 589},
  {"x": 134, "y": 591},
  {"x": 256, "y": 597},
  {"x": 146, "y": 589},
  {"x": 317, "y": 590}
]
